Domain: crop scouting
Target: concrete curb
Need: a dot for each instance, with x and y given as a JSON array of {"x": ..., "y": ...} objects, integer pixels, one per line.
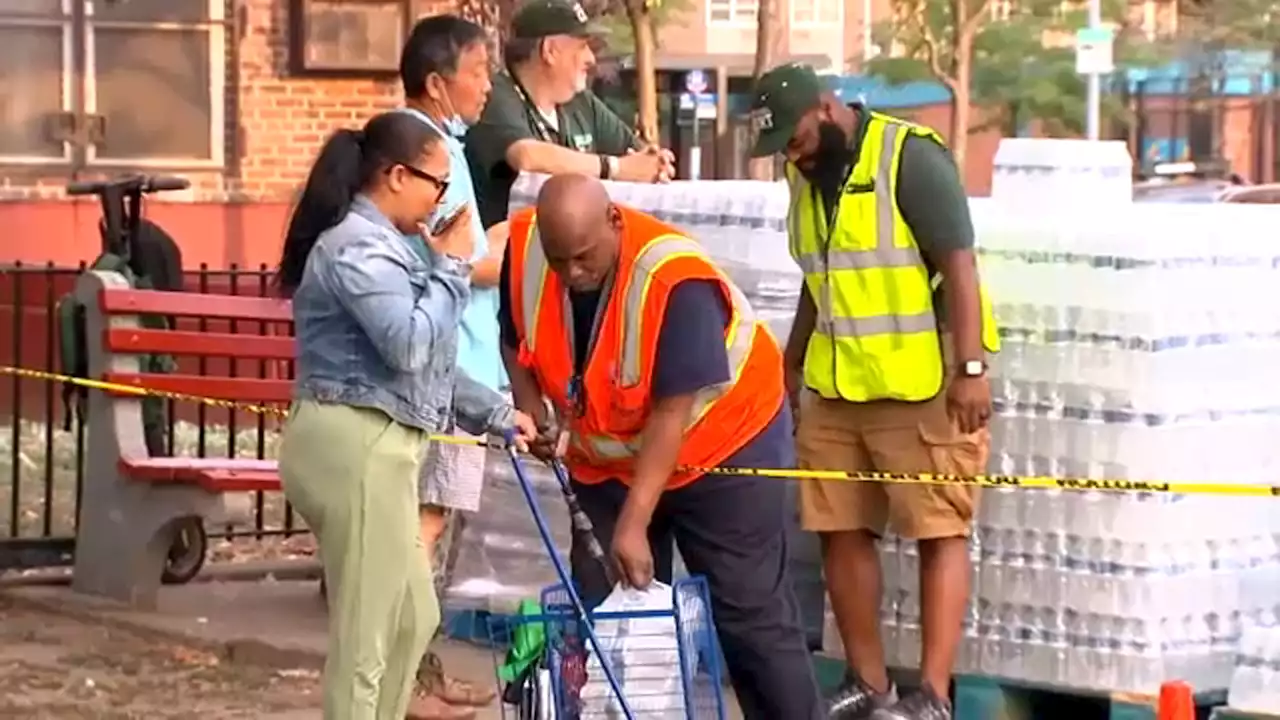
[
  {"x": 218, "y": 572},
  {"x": 240, "y": 651}
]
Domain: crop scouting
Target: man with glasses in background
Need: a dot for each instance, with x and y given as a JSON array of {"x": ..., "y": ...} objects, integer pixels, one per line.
[{"x": 543, "y": 118}]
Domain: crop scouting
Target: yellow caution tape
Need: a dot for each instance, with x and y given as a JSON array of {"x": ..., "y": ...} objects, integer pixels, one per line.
[{"x": 1041, "y": 482}]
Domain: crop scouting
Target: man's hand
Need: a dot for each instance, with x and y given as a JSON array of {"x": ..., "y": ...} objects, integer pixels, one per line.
[
  {"x": 631, "y": 553},
  {"x": 645, "y": 166},
  {"x": 550, "y": 445},
  {"x": 668, "y": 172},
  {"x": 969, "y": 403},
  {"x": 793, "y": 376}
]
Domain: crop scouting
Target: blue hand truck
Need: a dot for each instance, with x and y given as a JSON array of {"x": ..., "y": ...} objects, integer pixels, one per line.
[{"x": 581, "y": 675}]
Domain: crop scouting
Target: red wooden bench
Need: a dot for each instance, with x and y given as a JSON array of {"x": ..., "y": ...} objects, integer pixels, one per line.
[
  {"x": 133, "y": 504},
  {"x": 213, "y": 474}
]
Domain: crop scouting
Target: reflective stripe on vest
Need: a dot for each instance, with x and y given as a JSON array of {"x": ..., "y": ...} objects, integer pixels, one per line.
[
  {"x": 885, "y": 255},
  {"x": 738, "y": 336}
]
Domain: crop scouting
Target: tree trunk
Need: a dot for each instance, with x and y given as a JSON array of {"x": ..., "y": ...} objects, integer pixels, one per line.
[
  {"x": 767, "y": 35},
  {"x": 491, "y": 15},
  {"x": 959, "y": 139},
  {"x": 646, "y": 74},
  {"x": 961, "y": 69}
]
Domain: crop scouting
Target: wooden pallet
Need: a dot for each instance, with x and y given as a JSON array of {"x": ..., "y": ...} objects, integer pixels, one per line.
[
  {"x": 1232, "y": 714},
  {"x": 986, "y": 698}
]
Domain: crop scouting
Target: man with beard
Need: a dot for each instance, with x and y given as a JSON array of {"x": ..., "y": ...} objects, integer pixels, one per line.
[
  {"x": 542, "y": 118},
  {"x": 886, "y": 363}
]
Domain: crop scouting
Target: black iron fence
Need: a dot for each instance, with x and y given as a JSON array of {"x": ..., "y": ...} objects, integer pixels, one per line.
[{"x": 42, "y": 448}]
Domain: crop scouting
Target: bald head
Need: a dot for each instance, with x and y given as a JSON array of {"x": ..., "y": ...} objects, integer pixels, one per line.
[{"x": 579, "y": 227}]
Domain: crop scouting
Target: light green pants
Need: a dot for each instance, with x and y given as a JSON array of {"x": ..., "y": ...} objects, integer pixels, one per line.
[{"x": 353, "y": 474}]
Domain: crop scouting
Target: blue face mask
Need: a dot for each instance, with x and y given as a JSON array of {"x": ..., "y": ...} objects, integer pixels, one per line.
[{"x": 456, "y": 126}]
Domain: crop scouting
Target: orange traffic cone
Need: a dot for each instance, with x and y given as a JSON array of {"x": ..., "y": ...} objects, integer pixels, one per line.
[{"x": 1177, "y": 702}]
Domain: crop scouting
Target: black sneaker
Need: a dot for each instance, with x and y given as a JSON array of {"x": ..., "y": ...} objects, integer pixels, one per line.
[
  {"x": 923, "y": 704},
  {"x": 855, "y": 700}
]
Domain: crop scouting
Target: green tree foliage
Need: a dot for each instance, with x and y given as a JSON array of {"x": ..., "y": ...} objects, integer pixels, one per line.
[
  {"x": 633, "y": 26},
  {"x": 1238, "y": 24},
  {"x": 622, "y": 37},
  {"x": 1022, "y": 68}
]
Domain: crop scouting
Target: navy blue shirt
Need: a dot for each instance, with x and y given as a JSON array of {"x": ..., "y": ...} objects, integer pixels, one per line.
[{"x": 689, "y": 357}]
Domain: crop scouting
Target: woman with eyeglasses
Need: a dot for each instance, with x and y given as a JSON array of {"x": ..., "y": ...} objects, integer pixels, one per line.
[{"x": 377, "y": 299}]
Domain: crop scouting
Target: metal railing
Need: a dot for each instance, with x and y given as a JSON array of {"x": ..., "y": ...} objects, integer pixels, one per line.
[{"x": 43, "y": 445}]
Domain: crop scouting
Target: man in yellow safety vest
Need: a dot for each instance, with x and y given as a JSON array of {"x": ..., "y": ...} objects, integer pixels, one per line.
[{"x": 886, "y": 363}]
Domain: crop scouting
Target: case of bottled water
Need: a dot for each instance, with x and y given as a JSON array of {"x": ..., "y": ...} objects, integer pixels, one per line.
[
  {"x": 1255, "y": 684},
  {"x": 1081, "y": 173}
]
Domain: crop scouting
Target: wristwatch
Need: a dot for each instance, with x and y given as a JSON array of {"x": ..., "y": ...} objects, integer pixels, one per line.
[
  {"x": 608, "y": 167},
  {"x": 973, "y": 368}
]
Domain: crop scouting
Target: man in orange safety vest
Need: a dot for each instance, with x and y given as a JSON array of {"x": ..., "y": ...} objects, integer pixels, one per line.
[{"x": 659, "y": 370}]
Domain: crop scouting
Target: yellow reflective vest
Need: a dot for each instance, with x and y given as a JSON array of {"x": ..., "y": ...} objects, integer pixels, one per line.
[{"x": 876, "y": 335}]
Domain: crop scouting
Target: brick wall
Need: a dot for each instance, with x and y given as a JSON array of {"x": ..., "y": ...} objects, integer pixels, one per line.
[{"x": 274, "y": 123}]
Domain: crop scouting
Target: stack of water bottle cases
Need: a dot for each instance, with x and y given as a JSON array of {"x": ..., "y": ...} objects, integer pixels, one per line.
[{"x": 1141, "y": 342}]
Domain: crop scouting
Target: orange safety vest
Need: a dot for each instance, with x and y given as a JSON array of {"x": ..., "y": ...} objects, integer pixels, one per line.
[{"x": 606, "y": 425}]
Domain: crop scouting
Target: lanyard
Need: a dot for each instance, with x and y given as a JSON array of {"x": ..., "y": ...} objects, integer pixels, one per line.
[
  {"x": 537, "y": 122},
  {"x": 577, "y": 388}
]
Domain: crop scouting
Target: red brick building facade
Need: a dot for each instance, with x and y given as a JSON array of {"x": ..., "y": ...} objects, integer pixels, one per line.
[{"x": 264, "y": 123}]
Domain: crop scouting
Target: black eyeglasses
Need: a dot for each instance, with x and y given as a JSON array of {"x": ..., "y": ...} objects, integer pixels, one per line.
[{"x": 440, "y": 183}]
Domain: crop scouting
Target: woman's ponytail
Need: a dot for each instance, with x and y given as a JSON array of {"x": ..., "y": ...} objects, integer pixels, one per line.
[{"x": 332, "y": 184}]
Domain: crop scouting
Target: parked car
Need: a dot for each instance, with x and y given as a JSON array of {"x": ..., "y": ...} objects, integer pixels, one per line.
[
  {"x": 1268, "y": 194},
  {"x": 1178, "y": 191},
  {"x": 1187, "y": 182}
]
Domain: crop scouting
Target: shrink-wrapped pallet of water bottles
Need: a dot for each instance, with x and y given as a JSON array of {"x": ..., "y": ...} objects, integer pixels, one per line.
[{"x": 1140, "y": 342}]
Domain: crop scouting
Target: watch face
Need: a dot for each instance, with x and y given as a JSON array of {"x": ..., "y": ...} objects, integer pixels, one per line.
[{"x": 974, "y": 368}]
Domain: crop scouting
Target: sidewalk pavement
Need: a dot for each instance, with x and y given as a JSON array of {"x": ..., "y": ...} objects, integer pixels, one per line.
[{"x": 280, "y": 625}]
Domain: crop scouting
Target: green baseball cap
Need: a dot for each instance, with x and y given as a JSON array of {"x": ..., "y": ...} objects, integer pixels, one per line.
[
  {"x": 538, "y": 19},
  {"x": 783, "y": 95}
]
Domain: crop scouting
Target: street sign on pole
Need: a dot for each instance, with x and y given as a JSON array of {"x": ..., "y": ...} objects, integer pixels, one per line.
[
  {"x": 695, "y": 81},
  {"x": 1094, "y": 51}
]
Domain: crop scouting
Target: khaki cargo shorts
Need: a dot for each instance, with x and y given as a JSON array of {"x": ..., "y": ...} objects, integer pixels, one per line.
[{"x": 887, "y": 436}]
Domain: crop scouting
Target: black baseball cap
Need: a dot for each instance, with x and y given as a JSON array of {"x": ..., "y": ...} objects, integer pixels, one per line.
[
  {"x": 538, "y": 19},
  {"x": 783, "y": 95}
]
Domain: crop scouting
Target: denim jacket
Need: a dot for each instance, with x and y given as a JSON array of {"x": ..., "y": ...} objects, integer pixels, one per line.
[{"x": 377, "y": 327}]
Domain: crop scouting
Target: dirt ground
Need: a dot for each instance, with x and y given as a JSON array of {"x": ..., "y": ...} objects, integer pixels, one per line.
[{"x": 57, "y": 668}]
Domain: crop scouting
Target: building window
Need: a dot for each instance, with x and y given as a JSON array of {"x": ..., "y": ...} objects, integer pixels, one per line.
[
  {"x": 816, "y": 13},
  {"x": 35, "y": 35},
  {"x": 732, "y": 12},
  {"x": 114, "y": 84},
  {"x": 346, "y": 38}
]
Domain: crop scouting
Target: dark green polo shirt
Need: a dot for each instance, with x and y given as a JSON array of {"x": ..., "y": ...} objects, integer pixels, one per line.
[{"x": 586, "y": 124}]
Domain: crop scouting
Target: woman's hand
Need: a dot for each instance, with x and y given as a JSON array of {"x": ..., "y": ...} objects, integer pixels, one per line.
[
  {"x": 525, "y": 431},
  {"x": 453, "y": 237}
]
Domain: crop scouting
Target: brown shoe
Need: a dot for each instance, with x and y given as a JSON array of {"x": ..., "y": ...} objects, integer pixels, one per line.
[
  {"x": 433, "y": 681},
  {"x": 430, "y": 707}
]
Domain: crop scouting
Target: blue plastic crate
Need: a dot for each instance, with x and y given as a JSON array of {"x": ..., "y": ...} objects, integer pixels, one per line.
[{"x": 578, "y": 689}]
